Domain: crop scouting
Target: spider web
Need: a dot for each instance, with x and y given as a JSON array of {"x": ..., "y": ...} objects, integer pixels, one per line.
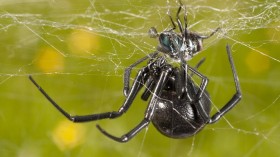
[{"x": 77, "y": 51}]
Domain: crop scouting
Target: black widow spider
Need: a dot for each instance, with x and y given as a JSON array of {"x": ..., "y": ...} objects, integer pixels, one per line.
[{"x": 178, "y": 108}]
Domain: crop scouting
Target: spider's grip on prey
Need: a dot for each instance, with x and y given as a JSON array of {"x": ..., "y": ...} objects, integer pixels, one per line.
[{"x": 177, "y": 106}]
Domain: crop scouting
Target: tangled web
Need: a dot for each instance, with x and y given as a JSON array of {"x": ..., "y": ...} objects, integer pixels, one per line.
[{"x": 88, "y": 44}]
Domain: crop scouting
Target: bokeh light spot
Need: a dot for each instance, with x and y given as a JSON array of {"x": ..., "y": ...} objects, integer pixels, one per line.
[
  {"x": 68, "y": 135},
  {"x": 257, "y": 63},
  {"x": 28, "y": 150},
  {"x": 83, "y": 42},
  {"x": 49, "y": 60}
]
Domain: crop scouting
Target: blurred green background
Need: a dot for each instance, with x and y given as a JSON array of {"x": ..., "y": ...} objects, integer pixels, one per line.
[{"x": 78, "y": 50}]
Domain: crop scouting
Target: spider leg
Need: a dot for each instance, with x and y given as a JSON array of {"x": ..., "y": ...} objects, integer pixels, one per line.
[
  {"x": 178, "y": 81},
  {"x": 137, "y": 85},
  {"x": 171, "y": 19},
  {"x": 199, "y": 103},
  {"x": 236, "y": 97},
  {"x": 203, "y": 84},
  {"x": 196, "y": 97},
  {"x": 149, "y": 112},
  {"x": 148, "y": 89},
  {"x": 208, "y": 36},
  {"x": 179, "y": 76},
  {"x": 198, "y": 65},
  {"x": 178, "y": 19},
  {"x": 129, "y": 135},
  {"x": 128, "y": 72},
  {"x": 185, "y": 19}
]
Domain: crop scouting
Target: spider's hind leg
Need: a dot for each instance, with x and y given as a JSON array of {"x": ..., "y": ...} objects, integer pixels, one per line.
[
  {"x": 137, "y": 85},
  {"x": 235, "y": 98},
  {"x": 148, "y": 89}
]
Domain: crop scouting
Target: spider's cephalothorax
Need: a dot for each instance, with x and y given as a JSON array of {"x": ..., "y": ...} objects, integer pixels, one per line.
[{"x": 177, "y": 106}]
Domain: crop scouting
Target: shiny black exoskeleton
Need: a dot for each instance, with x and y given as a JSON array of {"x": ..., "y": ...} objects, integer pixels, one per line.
[
  {"x": 177, "y": 106},
  {"x": 179, "y": 117}
]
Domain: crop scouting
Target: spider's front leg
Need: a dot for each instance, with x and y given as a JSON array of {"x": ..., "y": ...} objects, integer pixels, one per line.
[
  {"x": 178, "y": 19},
  {"x": 127, "y": 72}
]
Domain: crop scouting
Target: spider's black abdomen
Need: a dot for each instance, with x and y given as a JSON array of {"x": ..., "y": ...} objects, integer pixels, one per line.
[{"x": 178, "y": 118}]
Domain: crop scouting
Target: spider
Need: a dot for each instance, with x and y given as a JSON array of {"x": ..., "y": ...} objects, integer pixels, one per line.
[{"x": 177, "y": 107}]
